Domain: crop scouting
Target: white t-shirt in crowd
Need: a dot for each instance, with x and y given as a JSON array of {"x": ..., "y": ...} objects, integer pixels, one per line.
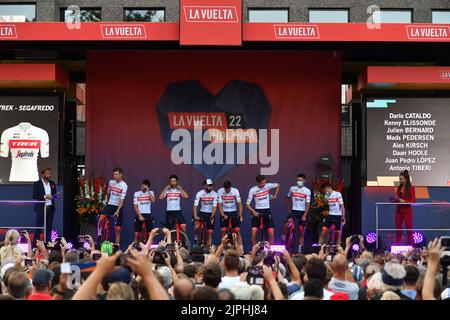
[
  {"x": 350, "y": 288},
  {"x": 300, "y": 295},
  {"x": 227, "y": 282},
  {"x": 117, "y": 192},
  {"x": 173, "y": 198},
  {"x": 24, "y": 142},
  {"x": 142, "y": 200},
  {"x": 206, "y": 201},
  {"x": 261, "y": 195},
  {"x": 229, "y": 200},
  {"x": 334, "y": 203},
  {"x": 300, "y": 197}
]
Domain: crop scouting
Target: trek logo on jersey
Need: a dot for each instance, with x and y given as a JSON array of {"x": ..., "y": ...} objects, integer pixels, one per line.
[
  {"x": 116, "y": 190},
  {"x": 143, "y": 198},
  {"x": 8, "y": 31},
  {"x": 298, "y": 195},
  {"x": 444, "y": 74},
  {"x": 228, "y": 198},
  {"x": 123, "y": 31},
  {"x": 296, "y": 31},
  {"x": 429, "y": 32},
  {"x": 212, "y": 14},
  {"x": 28, "y": 144}
]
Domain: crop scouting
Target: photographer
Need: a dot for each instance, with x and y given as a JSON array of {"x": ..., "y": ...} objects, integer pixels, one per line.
[{"x": 231, "y": 264}]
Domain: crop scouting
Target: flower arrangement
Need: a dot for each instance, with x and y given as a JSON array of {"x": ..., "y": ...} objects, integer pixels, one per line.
[
  {"x": 319, "y": 204},
  {"x": 91, "y": 198}
]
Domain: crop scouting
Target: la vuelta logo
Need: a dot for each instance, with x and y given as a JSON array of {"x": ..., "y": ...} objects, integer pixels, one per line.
[
  {"x": 218, "y": 14},
  {"x": 296, "y": 31},
  {"x": 444, "y": 74},
  {"x": 123, "y": 31},
  {"x": 429, "y": 32},
  {"x": 8, "y": 31},
  {"x": 214, "y": 133}
]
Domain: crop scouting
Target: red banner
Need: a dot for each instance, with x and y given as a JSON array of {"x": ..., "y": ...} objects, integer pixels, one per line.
[{"x": 218, "y": 22}]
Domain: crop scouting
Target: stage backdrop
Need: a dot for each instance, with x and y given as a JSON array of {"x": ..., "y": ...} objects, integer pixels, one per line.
[{"x": 142, "y": 107}]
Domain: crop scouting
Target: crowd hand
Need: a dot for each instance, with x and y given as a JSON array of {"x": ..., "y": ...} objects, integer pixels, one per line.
[
  {"x": 267, "y": 273},
  {"x": 303, "y": 218},
  {"x": 348, "y": 242},
  {"x": 340, "y": 250},
  {"x": 91, "y": 242},
  {"x": 26, "y": 235},
  {"x": 154, "y": 232},
  {"x": 151, "y": 256},
  {"x": 130, "y": 247},
  {"x": 167, "y": 260},
  {"x": 107, "y": 265},
  {"x": 256, "y": 214},
  {"x": 116, "y": 214},
  {"x": 235, "y": 238},
  {"x": 40, "y": 245},
  {"x": 277, "y": 264},
  {"x": 63, "y": 245},
  {"x": 286, "y": 254},
  {"x": 224, "y": 239},
  {"x": 322, "y": 254},
  {"x": 162, "y": 243},
  {"x": 140, "y": 264},
  {"x": 19, "y": 262},
  {"x": 434, "y": 251},
  {"x": 224, "y": 217},
  {"x": 49, "y": 197},
  {"x": 241, "y": 218}
]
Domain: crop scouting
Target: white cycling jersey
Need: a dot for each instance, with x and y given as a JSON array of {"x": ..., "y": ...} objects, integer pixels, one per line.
[
  {"x": 229, "y": 200},
  {"x": 334, "y": 203},
  {"x": 173, "y": 198},
  {"x": 117, "y": 192},
  {"x": 206, "y": 201},
  {"x": 261, "y": 195},
  {"x": 142, "y": 200},
  {"x": 300, "y": 197},
  {"x": 24, "y": 142}
]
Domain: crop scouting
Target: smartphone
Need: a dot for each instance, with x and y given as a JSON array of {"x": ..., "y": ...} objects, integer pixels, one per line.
[
  {"x": 65, "y": 267},
  {"x": 82, "y": 238},
  {"x": 170, "y": 247},
  {"x": 445, "y": 242},
  {"x": 29, "y": 262},
  {"x": 96, "y": 256}
]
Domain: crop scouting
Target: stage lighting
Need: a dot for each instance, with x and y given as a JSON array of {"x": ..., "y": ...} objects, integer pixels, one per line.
[
  {"x": 355, "y": 247},
  {"x": 418, "y": 239},
  {"x": 277, "y": 248},
  {"x": 54, "y": 235},
  {"x": 400, "y": 249},
  {"x": 371, "y": 237},
  {"x": 87, "y": 246},
  {"x": 69, "y": 246}
]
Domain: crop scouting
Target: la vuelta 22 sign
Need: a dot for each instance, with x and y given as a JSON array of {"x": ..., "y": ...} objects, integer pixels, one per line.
[{"x": 214, "y": 22}]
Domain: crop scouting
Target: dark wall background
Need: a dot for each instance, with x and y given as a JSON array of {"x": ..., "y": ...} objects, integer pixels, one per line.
[{"x": 123, "y": 90}]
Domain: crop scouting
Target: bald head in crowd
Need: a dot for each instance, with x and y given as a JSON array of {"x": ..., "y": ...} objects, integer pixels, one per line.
[
  {"x": 339, "y": 265},
  {"x": 183, "y": 288}
]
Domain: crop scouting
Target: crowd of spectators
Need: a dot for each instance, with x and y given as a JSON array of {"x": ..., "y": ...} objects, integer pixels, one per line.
[{"x": 224, "y": 272}]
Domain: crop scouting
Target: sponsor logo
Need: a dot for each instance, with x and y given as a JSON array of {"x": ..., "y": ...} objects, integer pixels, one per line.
[
  {"x": 444, "y": 74},
  {"x": 298, "y": 194},
  {"x": 24, "y": 154},
  {"x": 123, "y": 31},
  {"x": 8, "y": 31},
  {"x": 211, "y": 14},
  {"x": 428, "y": 32},
  {"x": 29, "y": 144},
  {"x": 296, "y": 31},
  {"x": 228, "y": 197},
  {"x": 143, "y": 198},
  {"x": 261, "y": 194},
  {"x": 173, "y": 195},
  {"x": 115, "y": 189}
]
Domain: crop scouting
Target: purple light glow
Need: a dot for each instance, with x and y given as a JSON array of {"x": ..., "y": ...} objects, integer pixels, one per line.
[
  {"x": 417, "y": 237},
  {"x": 154, "y": 246},
  {"x": 277, "y": 247},
  {"x": 400, "y": 249},
  {"x": 371, "y": 237},
  {"x": 54, "y": 235},
  {"x": 87, "y": 246},
  {"x": 355, "y": 247},
  {"x": 69, "y": 245}
]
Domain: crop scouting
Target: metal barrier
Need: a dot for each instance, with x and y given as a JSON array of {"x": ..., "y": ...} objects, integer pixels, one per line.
[
  {"x": 19, "y": 202},
  {"x": 413, "y": 204}
]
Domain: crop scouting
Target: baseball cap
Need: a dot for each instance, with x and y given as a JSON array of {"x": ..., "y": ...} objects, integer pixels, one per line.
[
  {"x": 208, "y": 182},
  {"x": 339, "y": 296},
  {"x": 42, "y": 276},
  {"x": 120, "y": 275},
  {"x": 5, "y": 268},
  {"x": 445, "y": 295}
]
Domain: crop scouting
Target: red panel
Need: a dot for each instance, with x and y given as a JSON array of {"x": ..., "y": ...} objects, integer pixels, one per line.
[
  {"x": 34, "y": 72},
  {"x": 216, "y": 22},
  {"x": 408, "y": 75}
]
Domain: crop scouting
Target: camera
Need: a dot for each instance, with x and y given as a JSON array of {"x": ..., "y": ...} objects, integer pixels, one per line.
[
  {"x": 269, "y": 259},
  {"x": 170, "y": 247},
  {"x": 160, "y": 256},
  {"x": 255, "y": 275},
  {"x": 230, "y": 236},
  {"x": 96, "y": 256},
  {"x": 122, "y": 260},
  {"x": 82, "y": 238}
]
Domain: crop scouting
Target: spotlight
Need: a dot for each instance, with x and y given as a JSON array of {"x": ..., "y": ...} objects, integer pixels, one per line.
[
  {"x": 400, "y": 249},
  {"x": 418, "y": 239},
  {"x": 87, "y": 246},
  {"x": 54, "y": 235},
  {"x": 277, "y": 248},
  {"x": 355, "y": 247},
  {"x": 371, "y": 237},
  {"x": 69, "y": 245}
]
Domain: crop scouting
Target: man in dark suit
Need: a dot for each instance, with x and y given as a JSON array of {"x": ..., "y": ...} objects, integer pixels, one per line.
[{"x": 44, "y": 190}]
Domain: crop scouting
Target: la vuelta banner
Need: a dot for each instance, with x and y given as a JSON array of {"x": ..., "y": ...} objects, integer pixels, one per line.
[
  {"x": 218, "y": 115},
  {"x": 212, "y": 22}
]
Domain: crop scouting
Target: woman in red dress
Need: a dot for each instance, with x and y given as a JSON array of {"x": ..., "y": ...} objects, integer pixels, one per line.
[{"x": 405, "y": 193}]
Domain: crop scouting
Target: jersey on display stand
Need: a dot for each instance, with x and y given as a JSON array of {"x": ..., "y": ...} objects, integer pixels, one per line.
[{"x": 24, "y": 142}]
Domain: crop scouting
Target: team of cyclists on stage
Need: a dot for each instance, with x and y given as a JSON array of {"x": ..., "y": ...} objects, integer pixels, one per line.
[{"x": 228, "y": 201}]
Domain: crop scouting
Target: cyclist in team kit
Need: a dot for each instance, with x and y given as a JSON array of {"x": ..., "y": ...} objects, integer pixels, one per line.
[
  {"x": 298, "y": 200},
  {"x": 142, "y": 206},
  {"x": 230, "y": 208},
  {"x": 117, "y": 190},
  {"x": 336, "y": 213},
  {"x": 262, "y": 194},
  {"x": 206, "y": 199},
  {"x": 173, "y": 193}
]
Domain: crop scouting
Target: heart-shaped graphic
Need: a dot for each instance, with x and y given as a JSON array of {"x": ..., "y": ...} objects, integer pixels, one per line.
[{"x": 236, "y": 98}]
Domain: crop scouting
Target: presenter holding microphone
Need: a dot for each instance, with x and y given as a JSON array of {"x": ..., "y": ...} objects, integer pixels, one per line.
[{"x": 405, "y": 194}]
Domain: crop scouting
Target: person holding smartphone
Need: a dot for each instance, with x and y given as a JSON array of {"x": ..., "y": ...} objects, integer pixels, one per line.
[
  {"x": 142, "y": 206},
  {"x": 403, "y": 213}
]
